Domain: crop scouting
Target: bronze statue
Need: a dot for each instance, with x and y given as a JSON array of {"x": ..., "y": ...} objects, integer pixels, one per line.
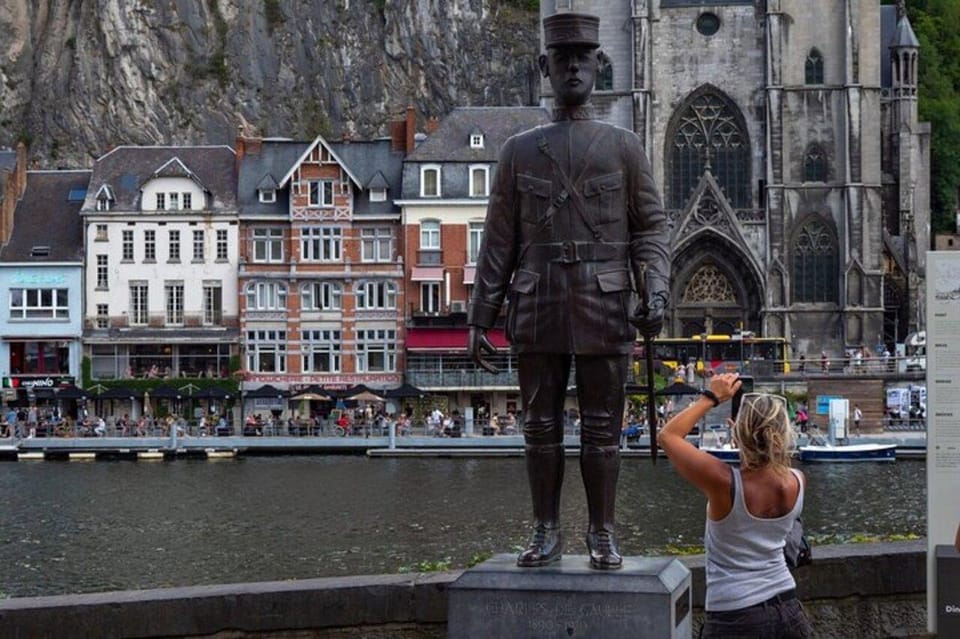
[{"x": 574, "y": 222}]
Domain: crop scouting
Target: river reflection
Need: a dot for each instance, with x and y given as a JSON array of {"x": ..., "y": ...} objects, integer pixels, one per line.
[{"x": 83, "y": 527}]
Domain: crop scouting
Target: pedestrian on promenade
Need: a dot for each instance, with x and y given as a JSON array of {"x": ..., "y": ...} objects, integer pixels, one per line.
[
  {"x": 824, "y": 362},
  {"x": 857, "y": 416},
  {"x": 750, "y": 510}
]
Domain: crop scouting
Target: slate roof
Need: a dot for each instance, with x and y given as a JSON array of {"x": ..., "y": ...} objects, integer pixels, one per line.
[
  {"x": 274, "y": 159},
  {"x": 451, "y": 141},
  {"x": 893, "y": 33},
  {"x": 365, "y": 159},
  {"x": 905, "y": 37},
  {"x": 48, "y": 216},
  {"x": 8, "y": 160},
  {"x": 126, "y": 168}
]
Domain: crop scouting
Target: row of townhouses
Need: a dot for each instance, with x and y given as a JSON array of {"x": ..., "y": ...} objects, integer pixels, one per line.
[{"x": 276, "y": 262}]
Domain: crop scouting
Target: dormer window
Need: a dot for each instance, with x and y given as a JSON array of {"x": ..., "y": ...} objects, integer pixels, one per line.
[
  {"x": 378, "y": 195},
  {"x": 268, "y": 196},
  {"x": 104, "y": 198},
  {"x": 430, "y": 181},
  {"x": 476, "y": 140},
  {"x": 161, "y": 201},
  {"x": 479, "y": 180}
]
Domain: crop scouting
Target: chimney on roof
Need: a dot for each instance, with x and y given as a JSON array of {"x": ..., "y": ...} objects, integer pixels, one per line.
[
  {"x": 246, "y": 145},
  {"x": 411, "y": 130},
  {"x": 20, "y": 170},
  {"x": 403, "y": 132},
  {"x": 432, "y": 125},
  {"x": 14, "y": 185}
]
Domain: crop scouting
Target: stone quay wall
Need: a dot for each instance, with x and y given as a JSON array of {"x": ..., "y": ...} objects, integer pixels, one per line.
[{"x": 850, "y": 592}]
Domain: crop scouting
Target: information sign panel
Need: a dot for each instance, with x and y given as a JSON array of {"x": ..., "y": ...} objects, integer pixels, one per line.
[{"x": 943, "y": 411}]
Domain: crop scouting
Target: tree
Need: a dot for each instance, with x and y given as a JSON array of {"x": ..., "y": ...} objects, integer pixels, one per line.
[{"x": 935, "y": 23}]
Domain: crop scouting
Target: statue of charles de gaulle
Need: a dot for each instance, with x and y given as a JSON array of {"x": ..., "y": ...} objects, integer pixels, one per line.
[{"x": 574, "y": 225}]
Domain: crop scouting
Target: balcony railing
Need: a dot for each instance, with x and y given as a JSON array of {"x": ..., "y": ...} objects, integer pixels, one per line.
[
  {"x": 475, "y": 378},
  {"x": 458, "y": 371},
  {"x": 430, "y": 257}
]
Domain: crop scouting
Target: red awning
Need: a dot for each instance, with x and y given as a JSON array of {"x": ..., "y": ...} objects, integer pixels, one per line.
[
  {"x": 449, "y": 339},
  {"x": 427, "y": 274}
]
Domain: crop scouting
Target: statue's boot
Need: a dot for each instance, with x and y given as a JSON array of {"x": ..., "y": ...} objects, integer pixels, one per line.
[
  {"x": 600, "y": 467},
  {"x": 545, "y": 474}
]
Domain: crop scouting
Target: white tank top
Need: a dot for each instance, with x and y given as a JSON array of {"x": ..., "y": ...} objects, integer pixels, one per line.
[{"x": 745, "y": 563}]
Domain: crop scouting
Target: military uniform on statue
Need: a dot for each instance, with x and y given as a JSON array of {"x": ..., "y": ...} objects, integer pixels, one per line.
[{"x": 574, "y": 223}]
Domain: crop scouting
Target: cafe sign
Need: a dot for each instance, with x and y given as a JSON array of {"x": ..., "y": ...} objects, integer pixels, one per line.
[{"x": 49, "y": 381}]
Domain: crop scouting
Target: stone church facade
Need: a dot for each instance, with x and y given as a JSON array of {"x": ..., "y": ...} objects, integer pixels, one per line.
[{"x": 784, "y": 136}]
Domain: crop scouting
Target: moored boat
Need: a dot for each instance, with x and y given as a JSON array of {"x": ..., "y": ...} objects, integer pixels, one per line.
[
  {"x": 849, "y": 452},
  {"x": 725, "y": 453}
]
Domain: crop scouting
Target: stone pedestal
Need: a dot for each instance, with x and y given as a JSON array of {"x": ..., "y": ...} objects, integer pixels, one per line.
[
  {"x": 648, "y": 597},
  {"x": 948, "y": 591}
]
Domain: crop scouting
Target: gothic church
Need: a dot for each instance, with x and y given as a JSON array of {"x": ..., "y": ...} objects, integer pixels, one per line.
[{"x": 785, "y": 140}]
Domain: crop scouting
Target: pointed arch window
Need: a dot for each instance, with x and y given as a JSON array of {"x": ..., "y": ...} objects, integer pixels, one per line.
[
  {"x": 814, "y": 67},
  {"x": 709, "y": 132},
  {"x": 814, "y": 264},
  {"x": 815, "y": 164},
  {"x": 604, "y": 81}
]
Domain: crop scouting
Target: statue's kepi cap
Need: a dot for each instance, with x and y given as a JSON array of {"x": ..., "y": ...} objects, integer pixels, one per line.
[{"x": 571, "y": 29}]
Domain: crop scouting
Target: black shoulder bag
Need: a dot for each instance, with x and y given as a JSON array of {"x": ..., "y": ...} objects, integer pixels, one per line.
[{"x": 796, "y": 548}]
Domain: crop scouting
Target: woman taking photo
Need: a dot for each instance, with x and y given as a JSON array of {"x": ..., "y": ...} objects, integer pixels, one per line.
[{"x": 750, "y": 510}]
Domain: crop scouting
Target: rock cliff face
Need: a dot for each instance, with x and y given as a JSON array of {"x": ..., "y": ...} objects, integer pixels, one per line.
[{"x": 77, "y": 77}]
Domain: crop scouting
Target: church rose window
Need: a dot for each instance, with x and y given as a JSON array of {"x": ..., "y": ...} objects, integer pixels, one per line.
[
  {"x": 708, "y": 133},
  {"x": 707, "y": 285},
  {"x": 814, "y": 265}
]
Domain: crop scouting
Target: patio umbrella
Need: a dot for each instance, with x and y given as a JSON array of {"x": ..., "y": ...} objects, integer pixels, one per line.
[
  {"x": 166, "y": 392},
  {"x": 117, "y": 392},
  {"x": 312, "y": 393},
  {"x": 71, "y": 392},
  {"x": 312, "y": 397},
  {"x": 354, "y": 390},
  {"x": 266, "y": 391},
  {"x": 405, "y": 391},
  {"x": 366, "y": 396},
  {"x": 212, "y": 392}
]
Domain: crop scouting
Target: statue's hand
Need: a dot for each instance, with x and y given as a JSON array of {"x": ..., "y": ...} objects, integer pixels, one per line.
[
  {"x": 479, "y": 345},
  {"x": 648, "y": 317}
]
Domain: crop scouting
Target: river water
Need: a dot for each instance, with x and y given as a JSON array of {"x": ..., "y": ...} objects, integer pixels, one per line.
[{"x": 86, "y": 527}]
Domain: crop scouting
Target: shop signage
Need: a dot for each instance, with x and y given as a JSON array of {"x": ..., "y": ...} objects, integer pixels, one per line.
[
  {"x": 24, "y": 381},
  {"x": 343, "y": 381},
  {"x": 38, "y": 278}
]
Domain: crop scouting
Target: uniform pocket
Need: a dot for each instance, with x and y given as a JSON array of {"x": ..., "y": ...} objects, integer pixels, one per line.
[
  {"x": 534, "y": 196},
  {"x": 604, "y": 197},
  {"x": 614, "y": 287},
  {"x": 522, "y": 314}
]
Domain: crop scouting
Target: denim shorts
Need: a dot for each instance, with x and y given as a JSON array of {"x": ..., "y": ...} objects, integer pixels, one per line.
[{"x": 776, "y": 618}]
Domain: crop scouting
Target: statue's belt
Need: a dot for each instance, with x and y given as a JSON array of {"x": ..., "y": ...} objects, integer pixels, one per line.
[{"x": 571, "y": 252}]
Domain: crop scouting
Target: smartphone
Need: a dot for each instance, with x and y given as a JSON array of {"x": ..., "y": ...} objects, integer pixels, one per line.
[{"x": 746, "y": 386}]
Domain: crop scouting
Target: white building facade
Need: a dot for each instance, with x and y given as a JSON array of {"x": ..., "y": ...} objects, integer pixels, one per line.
[{"x": 161, "y": 247}]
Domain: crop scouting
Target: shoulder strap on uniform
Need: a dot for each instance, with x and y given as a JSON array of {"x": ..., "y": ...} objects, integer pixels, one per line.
[{"x": 569, "y": 190}]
